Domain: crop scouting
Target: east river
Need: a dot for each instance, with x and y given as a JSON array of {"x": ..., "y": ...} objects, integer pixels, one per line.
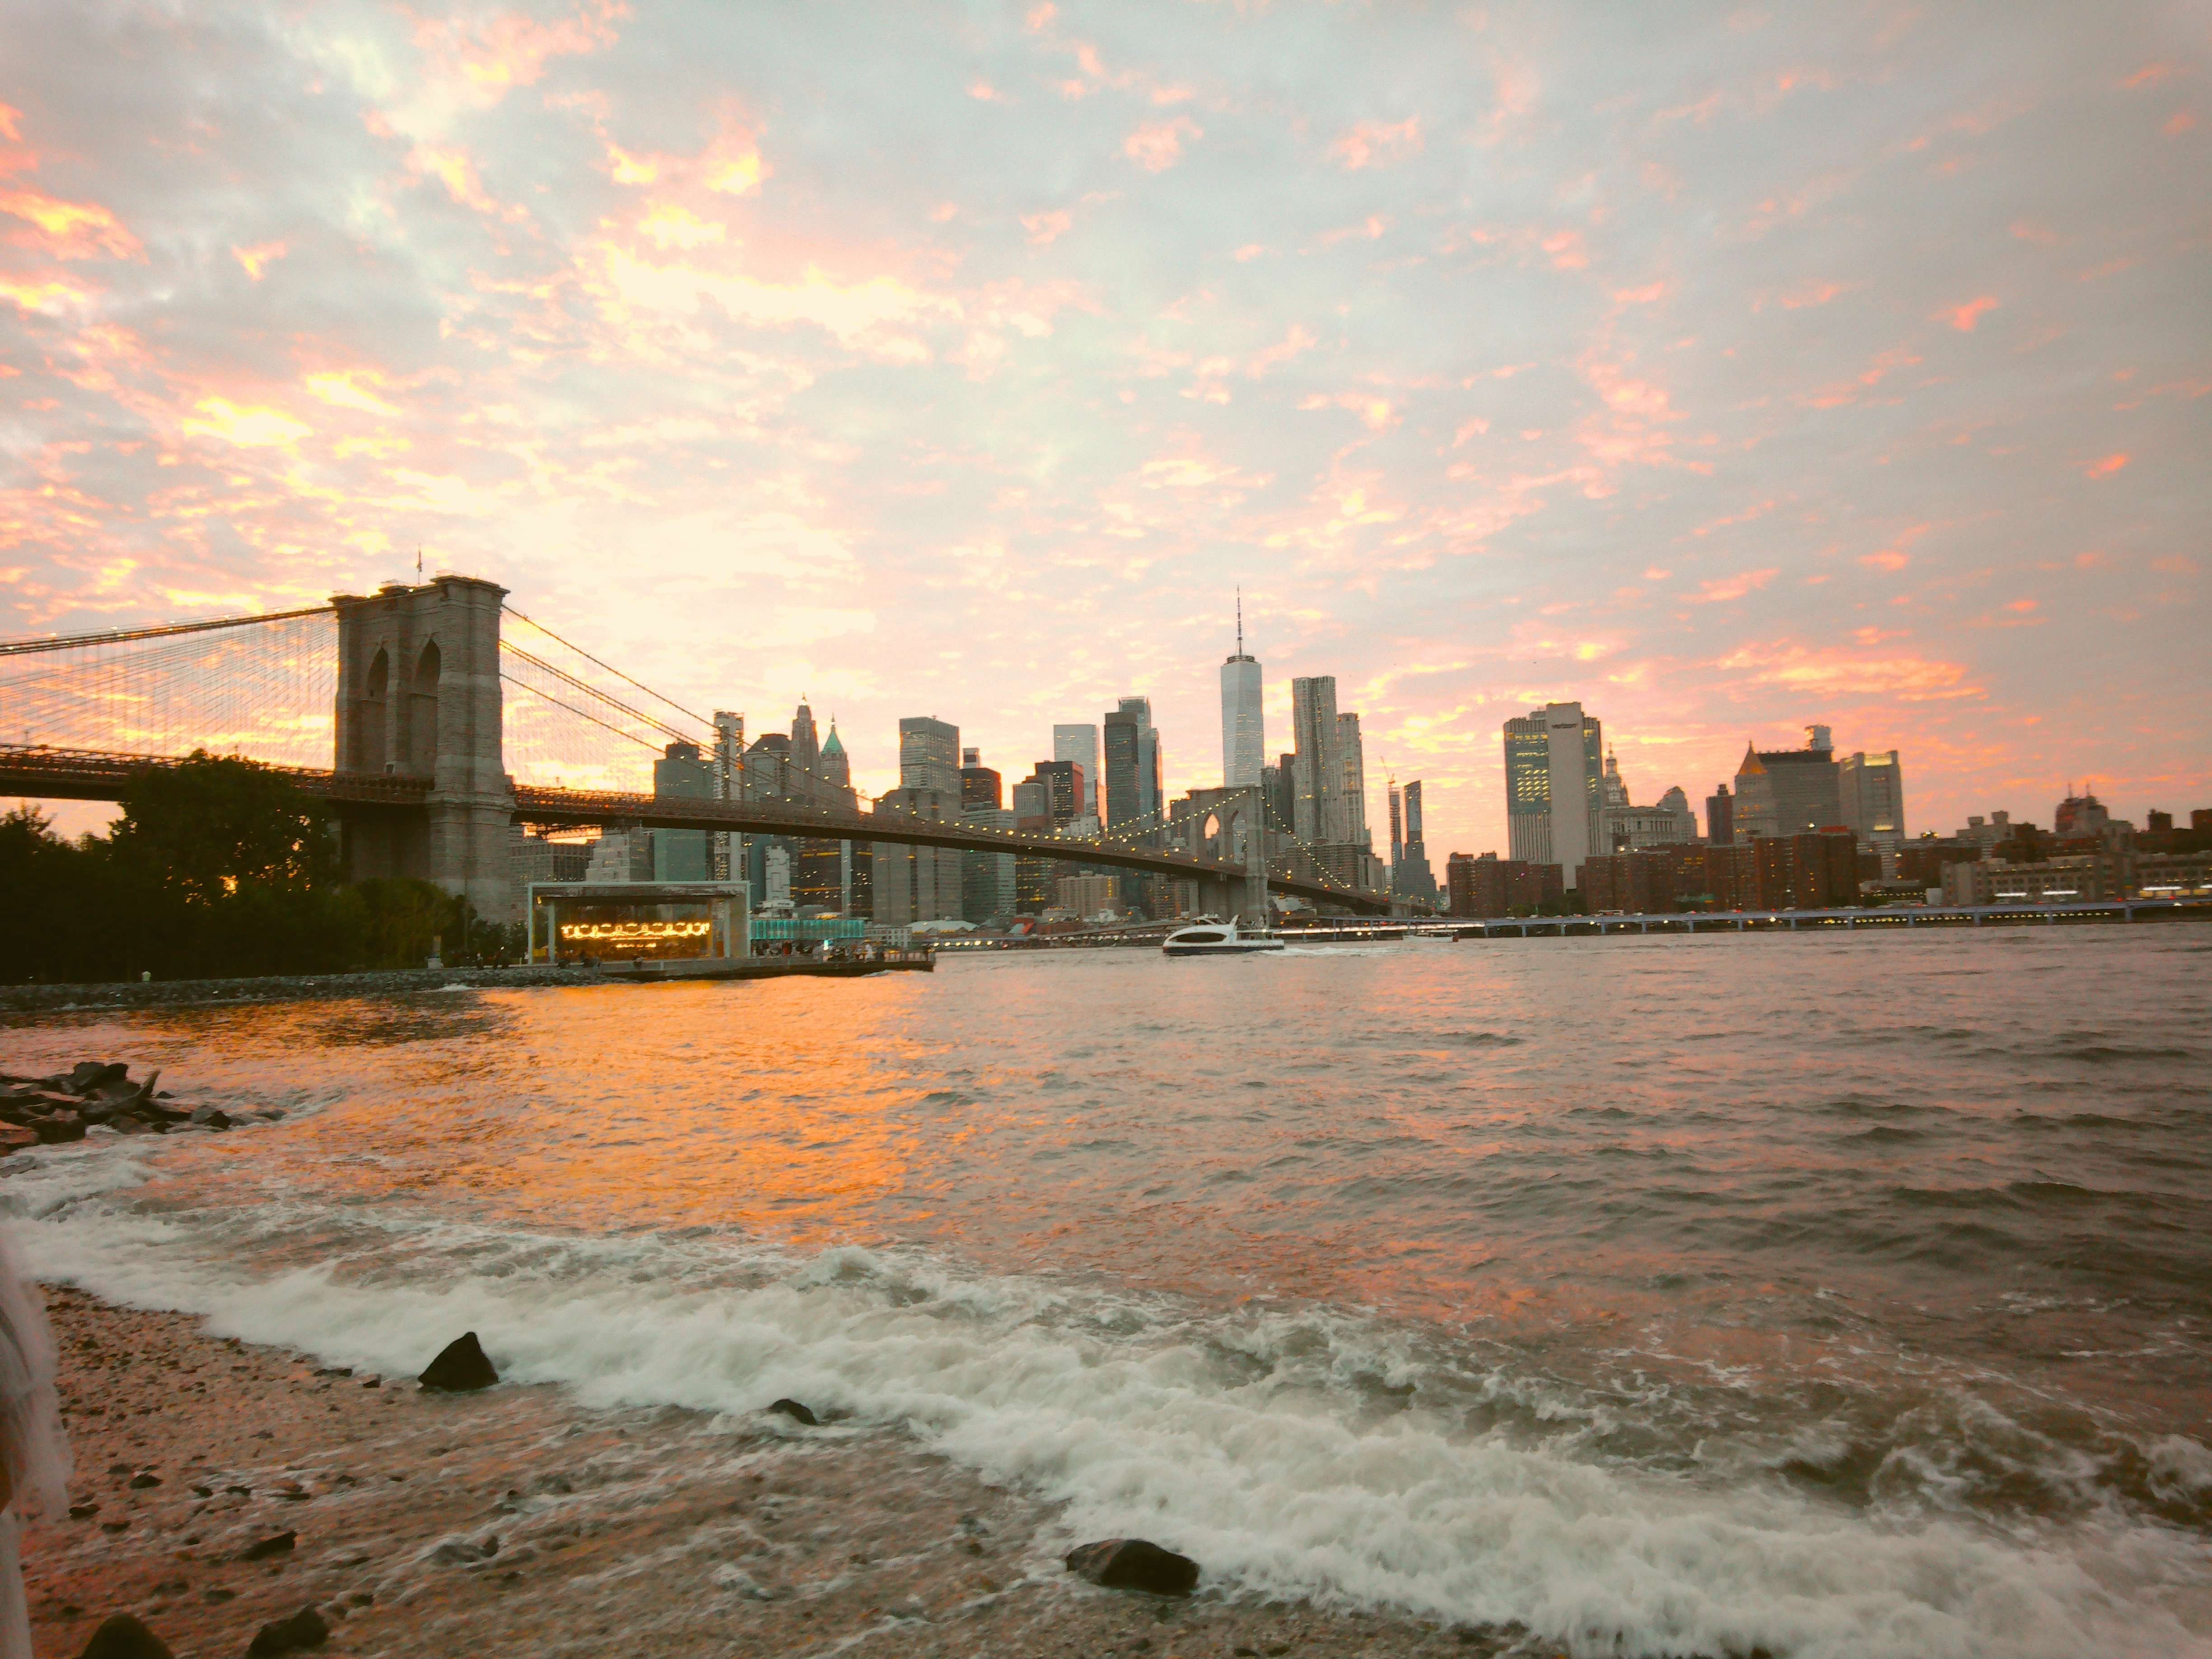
[{"x": 1688, "y": 1294}]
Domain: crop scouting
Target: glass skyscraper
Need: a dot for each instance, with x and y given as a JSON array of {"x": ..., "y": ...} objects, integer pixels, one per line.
[
  {"x": 1243, "y": 728},
  {"x": 1554, "y": 773}
]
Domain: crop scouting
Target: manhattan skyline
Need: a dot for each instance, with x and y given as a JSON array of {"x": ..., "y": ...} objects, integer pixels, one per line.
[{"x": 1723, "y": 377}]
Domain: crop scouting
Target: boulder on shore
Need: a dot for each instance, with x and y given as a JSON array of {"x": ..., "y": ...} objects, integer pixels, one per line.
[
  {"x": 122, "y": 1636},
  {"x": 304, "y": 1629},
  {"x": 1136, "y": 1564},
  {"x": 460, "y": 1366},
  {"x": 89, "y": 1076}
]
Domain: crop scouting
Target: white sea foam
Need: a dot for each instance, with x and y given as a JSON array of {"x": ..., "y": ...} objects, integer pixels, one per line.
[{"x": 1244, "y": 1440}]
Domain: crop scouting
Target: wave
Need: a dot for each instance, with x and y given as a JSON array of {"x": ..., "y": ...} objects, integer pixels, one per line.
[{"x": 1313, "y": 1453}]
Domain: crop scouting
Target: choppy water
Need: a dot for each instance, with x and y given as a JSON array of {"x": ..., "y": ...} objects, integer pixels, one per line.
[{"x": 1827, "y": 1296}]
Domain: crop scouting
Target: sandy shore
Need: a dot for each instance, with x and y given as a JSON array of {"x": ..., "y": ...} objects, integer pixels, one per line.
[{"x": 515, "y": 1521}]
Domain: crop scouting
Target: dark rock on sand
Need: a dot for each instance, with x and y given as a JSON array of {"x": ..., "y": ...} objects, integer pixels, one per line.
[
  {"x": 124, "y": 1638},
  {"x": 211, "y": 1117},
  {"x": 464, "y": 1552},
  {"x": 1134, "y": 1563},
  {"x": 460, "y": 1365},
  {"x": 14, "y": 1138},
  {"x": 304, "y": 1629},
  {"x": 280, "y": 1544},
  {"x": 62, "y": 1125},
  {"x": 797, "y": 1412},
  {"x": 141, "y": 1482},
  {"x": 88, "y": 1075}
]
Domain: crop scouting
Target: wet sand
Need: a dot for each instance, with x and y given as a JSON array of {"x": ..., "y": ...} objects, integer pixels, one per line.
[{"x": 517, "y": 1521}]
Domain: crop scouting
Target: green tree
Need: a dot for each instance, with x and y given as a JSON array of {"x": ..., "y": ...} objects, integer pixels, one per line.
[{"x": 211, "y": 826}]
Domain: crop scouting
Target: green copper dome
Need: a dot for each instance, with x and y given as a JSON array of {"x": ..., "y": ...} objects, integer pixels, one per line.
[{"x": 835, "y": 744}]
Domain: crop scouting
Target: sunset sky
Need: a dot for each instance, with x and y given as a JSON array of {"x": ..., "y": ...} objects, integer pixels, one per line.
[{"x": 1725, "y": 368}]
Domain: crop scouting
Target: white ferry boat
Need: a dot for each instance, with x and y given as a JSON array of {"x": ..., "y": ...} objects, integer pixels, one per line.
[{"x": 1216, "y": 938}]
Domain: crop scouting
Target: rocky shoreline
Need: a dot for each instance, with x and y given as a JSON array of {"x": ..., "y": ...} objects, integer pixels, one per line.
[
  {"x": 281, "y": 988},
  {"x": 221, "y": 1489},
  {"x": 230, "y": 1498},
  {"x": 46, "y": 1112}
]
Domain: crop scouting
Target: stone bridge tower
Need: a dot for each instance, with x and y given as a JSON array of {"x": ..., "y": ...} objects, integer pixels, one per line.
[{"x": 418, "y": 696}]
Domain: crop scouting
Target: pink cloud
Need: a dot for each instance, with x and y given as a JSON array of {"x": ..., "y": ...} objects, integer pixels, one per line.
[
  {"x": 489, "y": 58},
  {"x": 1158, "y": 145},
  {"x": 1813, "y": 293},
  {"x": 2106, "y": 467},
  {"x": 1044, "y": 228},
  {"x": 1371, "y": 143},
  {"x": 1963, "y": 317},
  {"x": 258, "y": 258},
  {"x": 1830, "y": 673},
  {"x": 1726, "y": 588},
  {"x": 67, "y": 230}
]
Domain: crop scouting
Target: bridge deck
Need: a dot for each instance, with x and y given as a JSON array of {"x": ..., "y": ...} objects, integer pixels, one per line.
[{"x": 89, "y": 774}]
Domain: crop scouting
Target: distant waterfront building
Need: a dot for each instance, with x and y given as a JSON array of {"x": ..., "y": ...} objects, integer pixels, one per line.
[
  {"x": 1317, "y": 766},
  {"x": 2078, "y": 816},
  {"x": 1872, "y": 792},
  {"x": 1719, "y": 817},
  {"x": 623, "y": 853},
  {"x": 1080, "y": 743},
  {"x": 909, "y": 883},
  {"x": 805, "y": 745},
  {"x": 978, "y": 784},
  {"x": 1554, "y": 769},
  {"x": 1624, "y": 827},
  {"x": 929, "y": 756},
  {"x": 1278, "y": 784},
  {"x": 1790, "y": 792},
  {"x": 1352, "y": 756},
  {"x": 986, "y": 879},
  {"x": 1411, "y": 878},
  {"x": 1492, "y": 886},
  {"x": 683, "y": 773},
  {"x": 1088, "y": 895},
  {"x": 1125, "y": 748},
  {"x": 1146, "y": 799},
  {"x": 1243, "y": 727},
  {"x": 836, "y": 767},
  {"x": 726, "y": 850}
]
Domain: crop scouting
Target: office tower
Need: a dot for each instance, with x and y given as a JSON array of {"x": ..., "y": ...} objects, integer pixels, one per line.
[
  {"x": 1124, "y": 751},
  {"x": 987, "y": 889},
  {"x": 805, "y": 747},
  {"x": 837, "y": 769},
  {"x": 1243, "y": 729},
  {"x": 1279, "y": 784},
  {"x": 1790, "y": 792},
  {"x": 1719, "y": 817},
  {"x": 725, "y": 849},
  {"x": 682, "y": 772},
  {"x": 1317, "y": 767},
  {"x": 1676, "y": 805},
  {"x": 929, "y": 754},
  {"x": 1143, "y": 807},
  {"x": 1080, "y": 743},
  {"x": 1065, "y": 788},
  {"x": 1554, "y": 768},
  {"x": 1410, "y": 875},
  {"x": 1397, "y": 826},
  {"x": 1352, "y": 756},
  {"x": 978, "y": 784},
  {"x": 1872, "y": 788}
]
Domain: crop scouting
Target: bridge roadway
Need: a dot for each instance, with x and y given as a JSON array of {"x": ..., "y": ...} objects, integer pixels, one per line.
[{"x": 90, "y": 775}]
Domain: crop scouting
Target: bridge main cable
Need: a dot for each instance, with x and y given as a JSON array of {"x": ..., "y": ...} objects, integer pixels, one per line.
[{"x": 124, "y": 636}]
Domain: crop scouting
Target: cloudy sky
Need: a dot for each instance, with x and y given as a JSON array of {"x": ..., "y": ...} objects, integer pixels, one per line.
[{"x": 1724, "y": 369}]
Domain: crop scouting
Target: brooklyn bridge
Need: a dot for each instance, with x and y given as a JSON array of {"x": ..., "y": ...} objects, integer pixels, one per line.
[{"x": 448, "y": 717}]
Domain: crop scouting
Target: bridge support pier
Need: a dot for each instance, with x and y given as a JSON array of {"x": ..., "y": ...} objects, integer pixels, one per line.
[{"x": 418, "y": 695}]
